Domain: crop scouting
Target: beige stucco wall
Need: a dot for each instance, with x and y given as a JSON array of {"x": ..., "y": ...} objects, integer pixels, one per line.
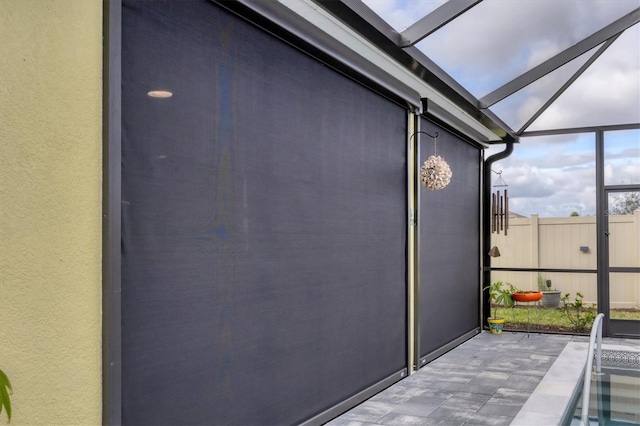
[{"x": 50, "y": 207}]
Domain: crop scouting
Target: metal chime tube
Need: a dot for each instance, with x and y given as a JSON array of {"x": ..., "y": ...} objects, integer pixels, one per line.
[
  {"x": 493, "y": 212},
  {"x": 506, "y": 212},
  {"x": 501, "y": 210}
]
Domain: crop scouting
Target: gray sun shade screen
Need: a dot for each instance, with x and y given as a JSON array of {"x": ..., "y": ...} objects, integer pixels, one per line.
[
  {"x": 449, "y": 244},
  {"x": 263, "y": 225}
]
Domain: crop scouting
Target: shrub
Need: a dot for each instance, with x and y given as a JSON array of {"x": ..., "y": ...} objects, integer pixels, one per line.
[{"x": 580, "y": 316}]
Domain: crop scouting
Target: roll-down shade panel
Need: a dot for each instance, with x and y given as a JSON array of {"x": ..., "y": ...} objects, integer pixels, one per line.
[{"x": 263, "y": 225}]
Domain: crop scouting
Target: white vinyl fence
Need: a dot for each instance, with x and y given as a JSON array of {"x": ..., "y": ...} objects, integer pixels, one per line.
[{"x": 570, "y": 243}]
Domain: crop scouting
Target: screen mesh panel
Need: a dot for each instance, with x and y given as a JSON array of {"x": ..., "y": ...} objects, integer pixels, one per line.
[
  {"x": 449, "y": 244},
  {"x": 263, "y": 225}
]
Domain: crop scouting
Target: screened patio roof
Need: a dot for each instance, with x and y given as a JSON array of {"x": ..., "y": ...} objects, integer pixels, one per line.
[{"x": 494, "y": 68}]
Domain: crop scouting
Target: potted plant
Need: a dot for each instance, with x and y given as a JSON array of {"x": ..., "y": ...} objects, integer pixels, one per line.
[
  {"x": 499, "y": 294},
  {"x": 550, "y": 296},
  {"x": 526, "y": 296}
]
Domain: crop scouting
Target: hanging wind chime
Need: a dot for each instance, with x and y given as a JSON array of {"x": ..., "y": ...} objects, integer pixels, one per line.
[
  {"x": 435, "y": 173},
  {"x": 499, "y": 206}
]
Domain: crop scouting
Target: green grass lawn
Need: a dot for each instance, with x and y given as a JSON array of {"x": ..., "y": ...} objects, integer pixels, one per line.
[
  {"x": 625, "y": 314},
  {"x": 551, "y": 319}
]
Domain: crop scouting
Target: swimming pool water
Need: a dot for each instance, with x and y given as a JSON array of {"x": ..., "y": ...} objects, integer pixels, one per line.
[{"x": 615, "y": 394}]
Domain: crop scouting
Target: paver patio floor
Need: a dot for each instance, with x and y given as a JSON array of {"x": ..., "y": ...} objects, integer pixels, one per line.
[{"x": 484, "y": 381}]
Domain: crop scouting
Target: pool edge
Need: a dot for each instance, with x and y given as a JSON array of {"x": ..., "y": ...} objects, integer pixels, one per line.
[{"x": 551, "y": 400}]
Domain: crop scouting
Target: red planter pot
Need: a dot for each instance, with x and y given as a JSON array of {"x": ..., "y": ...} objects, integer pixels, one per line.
[{"x": 532, "y": 296}]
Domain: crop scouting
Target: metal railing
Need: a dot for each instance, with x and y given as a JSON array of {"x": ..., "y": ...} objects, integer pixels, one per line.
[{"x": 595, "y": 339}]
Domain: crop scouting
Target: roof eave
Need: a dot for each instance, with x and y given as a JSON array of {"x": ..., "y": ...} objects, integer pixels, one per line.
[{"x": 370, "y": 26}]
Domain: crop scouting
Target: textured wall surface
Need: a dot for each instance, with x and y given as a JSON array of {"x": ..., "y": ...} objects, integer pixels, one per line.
[{"x": 50, "y": 206}]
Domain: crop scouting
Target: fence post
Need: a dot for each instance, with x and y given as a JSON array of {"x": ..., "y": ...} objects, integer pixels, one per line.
[
  {"x": 535, "y": 246},
  {"x": 636, "y": 232}
]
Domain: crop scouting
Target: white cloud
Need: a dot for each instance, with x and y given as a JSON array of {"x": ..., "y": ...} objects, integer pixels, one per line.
[
  {"x": 554, "y": 176},
  {"x": 400, "y": 14},
  {"x": 628, "y": 172},
  {"x": 505, "y": 38},
  {"x": 498, "y": 40},
  {"x": 551, "y": 176},
  {"x": 552, "y": 192},
  {"x": 607, "y": 93}
]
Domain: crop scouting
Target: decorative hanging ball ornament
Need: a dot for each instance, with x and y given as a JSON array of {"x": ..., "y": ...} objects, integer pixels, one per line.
[{"x": 435, "y": 173}]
